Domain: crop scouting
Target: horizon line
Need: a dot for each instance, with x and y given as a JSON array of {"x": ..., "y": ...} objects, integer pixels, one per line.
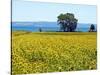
[{"x": 49, "y": 21}]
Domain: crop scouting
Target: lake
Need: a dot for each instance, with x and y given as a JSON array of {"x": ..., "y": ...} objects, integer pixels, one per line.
[{"x": 45, "y": 26}]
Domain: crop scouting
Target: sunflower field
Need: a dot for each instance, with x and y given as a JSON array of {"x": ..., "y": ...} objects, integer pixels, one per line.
[{"x": 42, "y": 52}]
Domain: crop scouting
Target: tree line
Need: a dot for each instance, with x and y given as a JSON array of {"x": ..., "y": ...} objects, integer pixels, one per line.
[{"x": 68, "y": 23}]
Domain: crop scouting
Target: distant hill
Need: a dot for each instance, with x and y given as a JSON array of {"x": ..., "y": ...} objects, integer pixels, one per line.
[{"x": 46, "y": 24}]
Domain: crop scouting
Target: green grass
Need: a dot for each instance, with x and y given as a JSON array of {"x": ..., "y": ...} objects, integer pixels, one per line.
[{"x": 39, "y": 52}]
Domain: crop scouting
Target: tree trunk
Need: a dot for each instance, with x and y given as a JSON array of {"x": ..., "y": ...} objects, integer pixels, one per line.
[{"x": 64, "y": 30}]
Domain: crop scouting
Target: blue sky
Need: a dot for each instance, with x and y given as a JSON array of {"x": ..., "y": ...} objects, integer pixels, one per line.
[{"x": 41, "y": 11}]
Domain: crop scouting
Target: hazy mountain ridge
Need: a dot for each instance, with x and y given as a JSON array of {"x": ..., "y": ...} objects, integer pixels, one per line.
[{"x": 45, "y": 24}]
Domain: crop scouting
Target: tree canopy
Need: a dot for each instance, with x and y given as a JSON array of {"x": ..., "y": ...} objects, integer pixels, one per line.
[
  {"x": 67, "y": 22},
  {"x": 92, "y": 28}
]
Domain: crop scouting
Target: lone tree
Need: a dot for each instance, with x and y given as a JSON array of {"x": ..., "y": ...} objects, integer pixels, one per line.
[
  {"x": 67, "y": 22},
  {"x": 40, "y": 29},
  {"x": 92, "y": 28}
]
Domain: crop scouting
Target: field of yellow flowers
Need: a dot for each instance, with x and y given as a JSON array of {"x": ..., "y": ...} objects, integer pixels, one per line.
[{"x": 42, "y": 52}]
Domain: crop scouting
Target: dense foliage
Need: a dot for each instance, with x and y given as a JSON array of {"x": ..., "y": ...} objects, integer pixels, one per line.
[
  {"x": 67, "y": 22},
  {"x": 92, "y": 28}
]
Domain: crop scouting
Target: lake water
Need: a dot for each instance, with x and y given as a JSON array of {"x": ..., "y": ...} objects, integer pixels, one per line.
[{"x": 45, "y": 26}]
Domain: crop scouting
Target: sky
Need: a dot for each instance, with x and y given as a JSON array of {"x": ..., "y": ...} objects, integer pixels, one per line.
[{"x": 24, "y": 11}]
